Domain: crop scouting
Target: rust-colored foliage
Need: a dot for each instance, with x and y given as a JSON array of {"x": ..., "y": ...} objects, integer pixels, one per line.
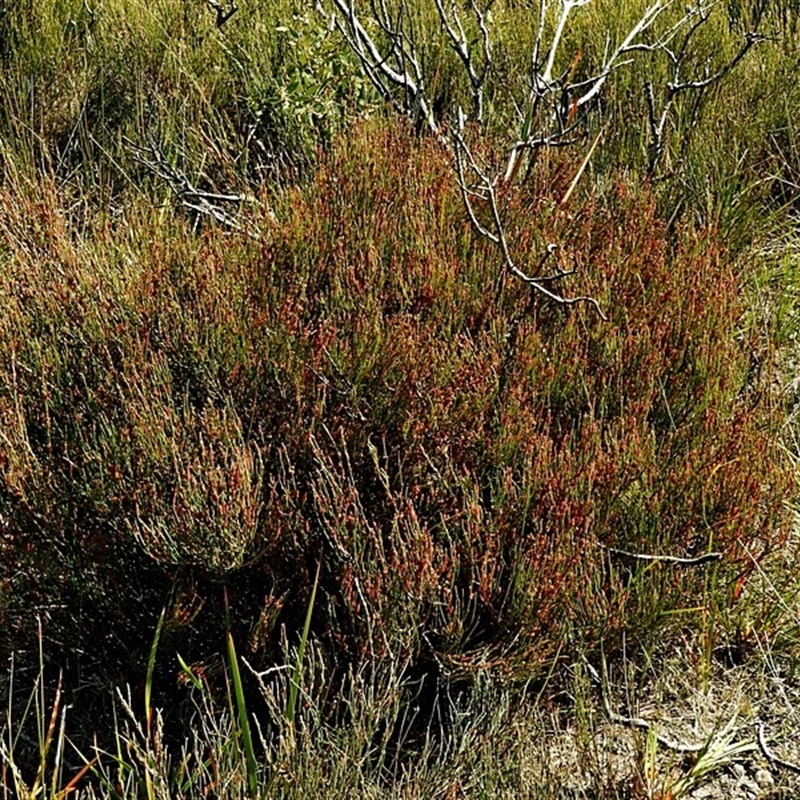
[{"x": 359, "y": 381}]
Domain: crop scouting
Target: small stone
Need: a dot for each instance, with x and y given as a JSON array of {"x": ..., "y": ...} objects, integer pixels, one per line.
[
  {"x": 750, "y": 787},
  {"x": 764, "y": 778},
  {"x": 737, "y": 769}
]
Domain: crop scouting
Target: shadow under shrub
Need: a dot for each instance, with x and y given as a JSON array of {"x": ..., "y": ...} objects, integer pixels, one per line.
[{"x": 357, "y": 383}]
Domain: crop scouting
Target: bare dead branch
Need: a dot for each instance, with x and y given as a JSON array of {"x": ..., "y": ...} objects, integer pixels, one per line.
[
  {"x": 557, "y": 109},
  {"x": 695, "y": 17},
  {"x": 770, "y": 755},
  {"x": 629, "y": 44},
  {"x": 202, "y": 203},
  {"x": 649, "y": 727},
  {"x": 497, "y": 233},
  {"x": 393, "y": 68},
  {"x": 567, "y": 7},
  {"x": 750, "y": 39},
  {"x": 453, "y": 27},
  {"x": 681, "y": 561},
  {"x": 223, "y": 15}
]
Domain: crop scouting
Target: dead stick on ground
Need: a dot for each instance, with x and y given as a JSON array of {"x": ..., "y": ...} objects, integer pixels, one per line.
[
  {"x": 681, "y": 561},
  {"x": 769, "y": 755}
]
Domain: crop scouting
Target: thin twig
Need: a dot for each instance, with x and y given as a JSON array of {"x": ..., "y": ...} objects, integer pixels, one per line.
[
  {"x": 770, "y": 756},
  {"x": 644, "y": 725},
  {"x": 498, "y": 235},
  {"x": 678, "y": 560},
  {"x": 222, "y": 15},
  {"x": 750, "y": 39}
]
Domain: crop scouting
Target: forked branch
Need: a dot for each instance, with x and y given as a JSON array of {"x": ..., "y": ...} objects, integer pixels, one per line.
[
  {"x": 677, "y": 56},
  {"x": 484, "y": 188},
  {"x": 397, "y": 67},
  {"x": 556, "y": 109},
  {"x": 454, "y": 28}
]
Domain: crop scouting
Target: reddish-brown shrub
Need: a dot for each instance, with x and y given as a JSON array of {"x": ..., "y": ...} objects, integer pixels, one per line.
[{"x": 349, "y": 386}]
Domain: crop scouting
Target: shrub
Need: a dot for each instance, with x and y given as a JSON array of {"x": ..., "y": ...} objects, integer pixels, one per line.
[{"x": 354, "y": 380}]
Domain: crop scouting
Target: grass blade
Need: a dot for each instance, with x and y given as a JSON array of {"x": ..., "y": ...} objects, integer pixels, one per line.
[
  {"x": 291, "y": 705},
  {"x": 241, "y": 708},
  {"x": 191, "y": 677},
  {"x": 44, "y": 749},
  {"x": 148, "y": 694},
  {"x": 151, "y": 665}
]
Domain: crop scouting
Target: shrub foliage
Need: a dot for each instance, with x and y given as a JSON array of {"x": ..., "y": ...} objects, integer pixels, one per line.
[{"x": 351, "y": 379}]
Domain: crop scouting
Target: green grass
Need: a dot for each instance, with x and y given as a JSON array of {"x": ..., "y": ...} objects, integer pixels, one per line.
[{"x": 255, "y": 359}]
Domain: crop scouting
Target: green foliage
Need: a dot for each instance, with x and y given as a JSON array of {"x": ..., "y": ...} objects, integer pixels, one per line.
[{"x": 229, "y": 106}]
